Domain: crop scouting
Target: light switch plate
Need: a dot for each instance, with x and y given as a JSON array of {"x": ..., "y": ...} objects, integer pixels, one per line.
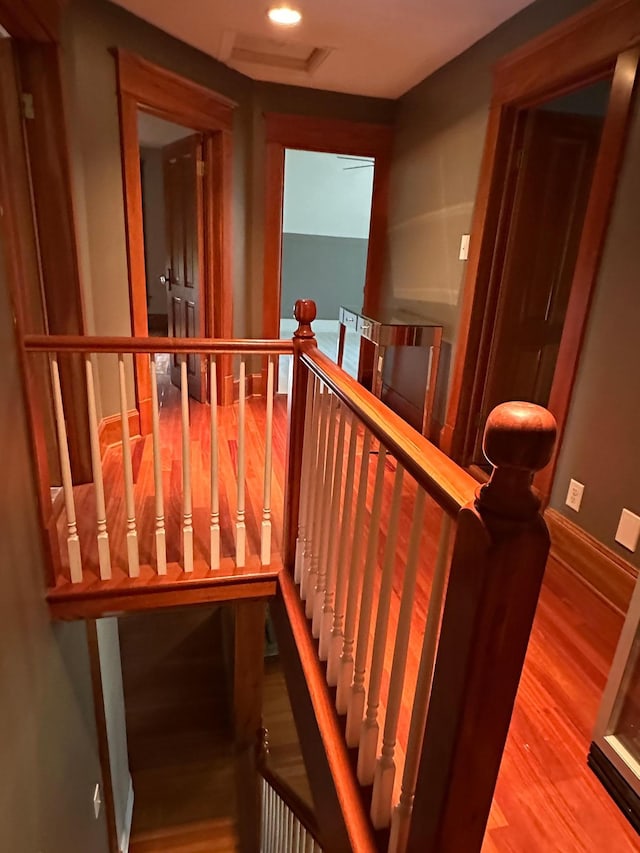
[
  {"x": 464, "y": 247},
  {"x": 574, "y": 495},
  {"x": 97, "y": 801},
  {"x": 628, "y": 530}
]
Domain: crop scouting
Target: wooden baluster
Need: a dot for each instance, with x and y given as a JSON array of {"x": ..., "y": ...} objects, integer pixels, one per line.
[
  {"x": 385, "y": 771},
  {"x": 325, "y": 529},
  {"x": 345, "y": 672},
  {"x": 214, "y": 523},
  {"x": 355, "y": 711},
  {"x": 73, "y": 540},
  {"x": 265, "y": 543},
  {"x": 104, "y": 557},
  {"x": 160, "y": 532},
  {"x": 401, "y": 817},
  {"x": 326, "y": 614},
  {"x": 303, "y": 340},
  {"x": 370, "y": 728},
  {"x": 310, "y": 437},
  {"x": 127, "y": 467},
  {"x": 497, "y": 566},
  {"x": 342, "y": 572},
  {"x": 241, "y": 532},
  {"x": 187, "y": 499},
  {"x": 312, "y": 552}
]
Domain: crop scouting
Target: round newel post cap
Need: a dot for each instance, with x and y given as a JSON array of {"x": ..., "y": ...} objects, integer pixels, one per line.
[
  {"x": 519, "y": 435},
  {"x": 518, "y": 441},
  {"x": 305, "y": 313}
]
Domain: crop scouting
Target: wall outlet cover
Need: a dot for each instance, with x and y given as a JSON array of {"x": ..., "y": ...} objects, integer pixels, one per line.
[
  {"x": 628, "y": 530},
  {"x": 574, "y": 495},
  {"x": 97, "y": 801},
  {"x": 464, "y": 247}
]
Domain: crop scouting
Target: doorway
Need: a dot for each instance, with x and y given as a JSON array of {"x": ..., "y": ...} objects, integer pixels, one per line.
[
  {"x": 171, "y": 174},
  {"x": 557, "y": 147},
  {"x": 326, "y": 220}
]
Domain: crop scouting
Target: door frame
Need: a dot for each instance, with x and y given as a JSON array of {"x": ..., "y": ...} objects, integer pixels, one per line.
[
  {"x": 601, "y": 41},
  {"x": 336, "y": 136},
  {"x": 142, "y": 85}
]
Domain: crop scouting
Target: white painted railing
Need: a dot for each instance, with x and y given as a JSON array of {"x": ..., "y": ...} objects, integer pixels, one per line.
[
  {"x": 281, "y": 831},
  {"x": 135, "y": 519}
]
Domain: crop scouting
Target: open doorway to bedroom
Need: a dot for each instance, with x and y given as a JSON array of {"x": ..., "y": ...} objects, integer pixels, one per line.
[{"x": 326, "y": 218}]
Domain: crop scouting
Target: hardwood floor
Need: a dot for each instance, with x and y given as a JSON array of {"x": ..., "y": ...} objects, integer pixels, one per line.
[
  {"x": 179, "y": 731},
  {"x": 546, "y": 798}
]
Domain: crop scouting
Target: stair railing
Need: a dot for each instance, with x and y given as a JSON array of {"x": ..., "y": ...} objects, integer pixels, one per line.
[{"x": 366, "y": 496}]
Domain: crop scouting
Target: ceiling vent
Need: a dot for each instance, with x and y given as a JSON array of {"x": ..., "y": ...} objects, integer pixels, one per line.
[{"x": 284, "y": 55}]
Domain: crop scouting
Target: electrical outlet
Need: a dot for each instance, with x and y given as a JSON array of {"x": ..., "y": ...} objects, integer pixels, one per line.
[
  {"x": 574, "y": 495},
  {"x": 628, "y": 530},
  {"x": 97, "y": 801}
]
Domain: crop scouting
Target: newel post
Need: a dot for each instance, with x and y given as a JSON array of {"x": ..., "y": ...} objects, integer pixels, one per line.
[
  {"x": 497, "y": 566},
  {"x": 303, "y": 339}
]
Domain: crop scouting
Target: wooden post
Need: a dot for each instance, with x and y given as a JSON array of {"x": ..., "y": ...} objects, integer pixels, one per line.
[
  {"x": 498, "y": 562},
  {"x": 303, "y": 339}
]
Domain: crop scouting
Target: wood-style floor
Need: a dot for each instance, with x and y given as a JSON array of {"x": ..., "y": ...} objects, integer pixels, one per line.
[{"x": 546, "y": 798}]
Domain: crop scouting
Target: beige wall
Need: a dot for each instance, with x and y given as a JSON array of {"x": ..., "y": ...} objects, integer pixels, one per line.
[
  {"x": 48, "y": 746},
  {"x": 440, "y": 129},
  {"x": 602, "y": 437},
  {"x": 91, "y": 28}
]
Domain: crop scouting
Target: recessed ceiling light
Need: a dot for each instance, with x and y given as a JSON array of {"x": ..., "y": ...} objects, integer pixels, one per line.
[{"x": 284, "y": 15}]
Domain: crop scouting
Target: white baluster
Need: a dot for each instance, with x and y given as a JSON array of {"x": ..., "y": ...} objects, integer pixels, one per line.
[
  {"x": 271, "y": 830},
  {"x": 355, "y": 711},
  {"x": 265, "y": 543},
  {"x": 385, "y": 772},
  {"x": 241, "y": 530},
  {"x": 370, "y": 729},
  {"x": 326, "y": 613},
  {"x": 187, "y": 500},
  {"x": 325, "y": 535},
  {"x": 214, "y": 524},
  {"x": 401, "y": 817},
  {"x": 302, "y": 845},
  {"x": 312, "y": 548},
  {"x": 308, "y": 447},
  {"x": 289, "y": 836},
  {"x": 127, "y": 467},
  {"x": 342, "y": 572},
  {"x": 160, "y": 533},
  {"x": 345, "y": 672},
  {"x": 73, "y": 540},
  {"x": 104, "y": 557}
]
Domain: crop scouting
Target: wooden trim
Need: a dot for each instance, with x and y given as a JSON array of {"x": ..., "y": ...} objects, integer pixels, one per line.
[
  {"x": 586, "y": 47},
  {"x": 85, "y": 601},
  {"x": 253, "y": 387},
  {"x": 337, "y": 136},
  {"x": 102, "y": 735},
  {"x": 144, "y": 85},
  {"x": 32, "y": 20},
  {"x": 158, "y": 90},
  {"x": 341, "y": 816},
  {"x": 110, "y": 429},
  {"x": 203, "y": 346},
  {"x": 610, "y": 576},
  {"x": 438, "y": 475}
]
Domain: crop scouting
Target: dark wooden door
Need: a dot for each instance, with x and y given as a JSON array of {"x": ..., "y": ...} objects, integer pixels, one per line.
[
  {"x": 182, "y": 162},
  {"x": 555, "y": 171}
]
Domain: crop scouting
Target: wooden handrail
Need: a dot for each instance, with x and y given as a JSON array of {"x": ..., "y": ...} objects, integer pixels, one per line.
[
  {"x": 200, "y": 346},
  {"x": 289, "y": 797},
  {"x": 448, "y": 484}
]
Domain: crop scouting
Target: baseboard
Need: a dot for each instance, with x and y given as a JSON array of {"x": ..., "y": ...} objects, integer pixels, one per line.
[
  {"x": 609, "y": 575},
  {"x": 128, "y": 819},
  {"x": 110, "y": 429},
  {"x": 254, "y": 386}
]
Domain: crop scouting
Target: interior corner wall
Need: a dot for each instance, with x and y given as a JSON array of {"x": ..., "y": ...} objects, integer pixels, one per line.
[
  {"x": 600, "y": 443},
  {"x": 439, "y": 139},
  {"x": 90, "y": 29},
  {"x": 48, "y": 741}
]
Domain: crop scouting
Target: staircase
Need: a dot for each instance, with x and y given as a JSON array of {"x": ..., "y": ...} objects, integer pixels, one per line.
[{"x": 402, "y": 594}]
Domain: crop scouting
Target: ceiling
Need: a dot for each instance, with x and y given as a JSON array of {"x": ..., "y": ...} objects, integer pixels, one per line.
[
  {"x": 154, "y": 132},
  {"x": 364, "y": 47}
]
